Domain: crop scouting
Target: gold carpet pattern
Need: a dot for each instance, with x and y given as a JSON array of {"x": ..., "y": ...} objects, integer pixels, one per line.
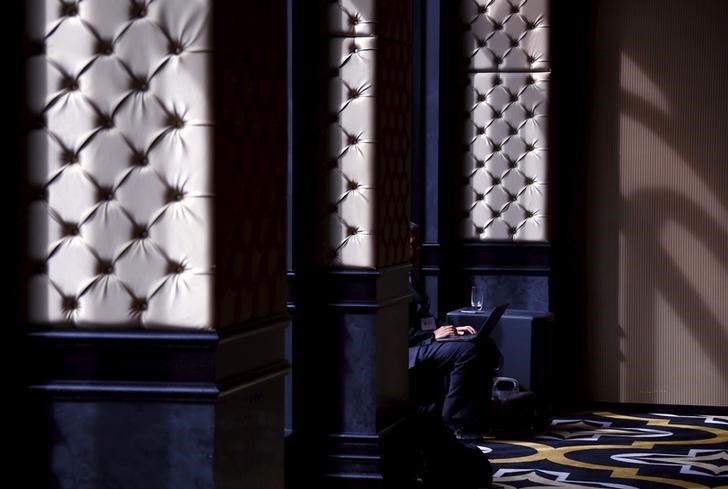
[{"x": 617, "y": 451}]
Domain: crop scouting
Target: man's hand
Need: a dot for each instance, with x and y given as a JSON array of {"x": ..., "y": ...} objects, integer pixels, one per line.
[
  {"x": 450, "y": 330},
  {"x": 465, "y": 330},
  {"x": 443, "y": 331}
]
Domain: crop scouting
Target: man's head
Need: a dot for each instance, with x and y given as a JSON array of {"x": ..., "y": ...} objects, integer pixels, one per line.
[{"x": 414, "y": 240}]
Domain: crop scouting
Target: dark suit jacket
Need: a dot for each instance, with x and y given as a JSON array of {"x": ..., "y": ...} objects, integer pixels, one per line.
[{"x": 419, "y": 309}]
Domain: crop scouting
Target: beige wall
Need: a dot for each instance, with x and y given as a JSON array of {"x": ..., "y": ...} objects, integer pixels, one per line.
[{"x": 658, "y": 204}]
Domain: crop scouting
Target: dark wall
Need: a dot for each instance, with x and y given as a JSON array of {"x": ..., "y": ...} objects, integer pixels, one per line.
[{"x": 572, "y": 32}]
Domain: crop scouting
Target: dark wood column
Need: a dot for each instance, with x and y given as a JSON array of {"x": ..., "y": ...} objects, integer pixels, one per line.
[
  {"x": 138, "y": 405},
  {"x": 348, "y": 284}
]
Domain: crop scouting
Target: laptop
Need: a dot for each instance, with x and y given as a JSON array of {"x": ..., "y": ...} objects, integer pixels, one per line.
[{"x": 485, "y": 327}]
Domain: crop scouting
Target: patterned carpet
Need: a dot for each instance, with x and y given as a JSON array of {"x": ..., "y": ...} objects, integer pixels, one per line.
[{"x": 607, "y": 450}]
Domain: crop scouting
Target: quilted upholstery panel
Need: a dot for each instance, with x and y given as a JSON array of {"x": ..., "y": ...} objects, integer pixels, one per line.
[
  {"x": 506, "y": 34},
  {"x": 120, "y": 160},
  {"x": 385, "y": 19},
  {"x": 123, "y": 222},
  {"x": 364, "y": 143},
  {"x": 505, "y": 165},
  {"x": 348, "y": 139},
  {"x": 506, "y": 46},
  {"x": 348, "y": 18}
]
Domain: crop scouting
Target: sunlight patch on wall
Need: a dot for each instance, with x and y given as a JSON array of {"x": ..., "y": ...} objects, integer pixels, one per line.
[
  {"x": 658, "y": 205},
  {"x": 699, "y": 266},
  {"x": 635, "y": 81}
]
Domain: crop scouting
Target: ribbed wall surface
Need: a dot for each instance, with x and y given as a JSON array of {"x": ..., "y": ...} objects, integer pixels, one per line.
[{"x": 658, "y": 241}]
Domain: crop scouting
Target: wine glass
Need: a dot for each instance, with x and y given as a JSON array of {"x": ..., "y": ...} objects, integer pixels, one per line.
[{"x": 476, "y": 298}]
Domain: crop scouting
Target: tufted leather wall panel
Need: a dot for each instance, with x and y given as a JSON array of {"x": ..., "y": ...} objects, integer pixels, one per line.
[
  {"x": 506, "y": 165},
  {"x": 365, "y": 135},
  {"x": 380, "y": 18},
  {"x": 121, "y": 160},
  {"x": 506, "y": 34},
  {"x": 506, "y": 145}
]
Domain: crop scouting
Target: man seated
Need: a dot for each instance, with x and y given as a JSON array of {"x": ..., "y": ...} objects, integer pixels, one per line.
[{"x": 466, "y": 366}]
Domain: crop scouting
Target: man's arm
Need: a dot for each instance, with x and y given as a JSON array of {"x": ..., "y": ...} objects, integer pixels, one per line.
[{"x": 417, "y": 336}]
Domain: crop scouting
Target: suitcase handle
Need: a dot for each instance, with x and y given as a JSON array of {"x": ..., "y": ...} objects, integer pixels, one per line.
[{"x": 508, "y": 384}]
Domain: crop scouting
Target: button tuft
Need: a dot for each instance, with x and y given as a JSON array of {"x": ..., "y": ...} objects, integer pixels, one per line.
[
  {"x": 70, "y": 9},
  {"x": 139, "y": 305},
  {"x": 141, "y": 232},
  {"x": 176, "y": 121},
  {"x": 138, "y": 10},
  {"x": 69, "y": 157},
  {"x": 105, "y": 268},
  {"x": 141, "y": 85},
  {"x": 40, "y": 268},
  {"x": 105, "y": 194},
  {"x": 140, "y": 159},
  {"x": 70, "y": 304},
  {"x": 70, "y": 84},
  {"x": 105, "y": 47},
  {"x": 176, "y": 48}
]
